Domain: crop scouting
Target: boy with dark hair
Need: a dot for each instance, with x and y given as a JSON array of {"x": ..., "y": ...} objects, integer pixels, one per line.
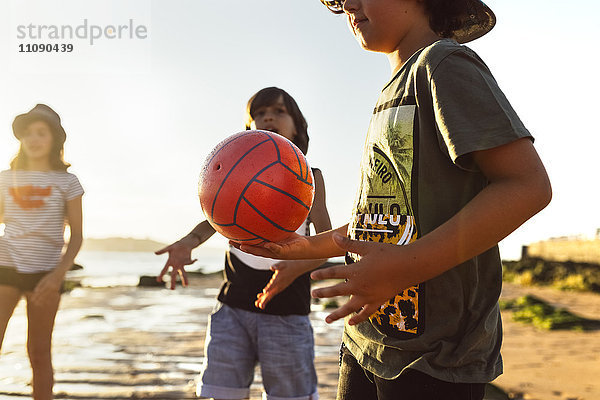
[{"x": 448, "y": 171}]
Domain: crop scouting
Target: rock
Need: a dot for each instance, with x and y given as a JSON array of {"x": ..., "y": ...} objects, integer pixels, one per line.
[
  {"x": 69, "y": 285},
  {"x": 93, "y": 316},
  {"x": 149, "y": 281},
  {"x": 76, "y": 267}
]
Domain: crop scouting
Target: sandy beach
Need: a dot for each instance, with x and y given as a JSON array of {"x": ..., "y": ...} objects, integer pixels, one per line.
[
  {"x": 551, "y": 365},
  {"x": 133, "y": 343}
]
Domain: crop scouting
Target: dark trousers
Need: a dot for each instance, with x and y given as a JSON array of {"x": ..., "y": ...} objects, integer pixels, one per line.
[{"x": 357, "y": 384}]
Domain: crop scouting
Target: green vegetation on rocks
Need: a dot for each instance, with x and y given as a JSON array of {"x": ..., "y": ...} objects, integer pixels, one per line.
[
  {"x": 573, "y": 276},
  {"x": 329, "y": 304},
  {"x": 530, "y": 309},
  {"x": 69, "y": 285}
]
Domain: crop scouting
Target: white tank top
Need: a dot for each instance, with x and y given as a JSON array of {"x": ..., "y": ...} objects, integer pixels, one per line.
[{"x": 263, "y": 263}]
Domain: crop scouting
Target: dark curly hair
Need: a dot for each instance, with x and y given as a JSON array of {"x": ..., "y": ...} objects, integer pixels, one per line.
[
  {"x": 445, "y": 16},
  {"x": 269, "y": 96}
]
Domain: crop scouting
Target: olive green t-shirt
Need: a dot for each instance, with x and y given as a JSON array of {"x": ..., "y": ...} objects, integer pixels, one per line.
[{"x": 416, "y": 173}]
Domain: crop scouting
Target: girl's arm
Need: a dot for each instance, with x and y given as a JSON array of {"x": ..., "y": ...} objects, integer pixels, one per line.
[
  {"x": 319, "y": 216},
  {"x": 180, "y": 252},
  {"x": 53, "y": 281},
  {"x": 1, "y": 209},
  {"x": 287, "y": 272},
  {"x": 518, "y": 189},
  {"x": 75, "y": 220}
]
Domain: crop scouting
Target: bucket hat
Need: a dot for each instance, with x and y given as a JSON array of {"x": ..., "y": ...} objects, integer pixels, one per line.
[
  {"x": 40, "y": 112},
  {"x": 478, "y": 20}
]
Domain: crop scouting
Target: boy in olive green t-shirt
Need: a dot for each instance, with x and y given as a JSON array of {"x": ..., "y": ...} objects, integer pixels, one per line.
[{"x": 448, "y": 171}]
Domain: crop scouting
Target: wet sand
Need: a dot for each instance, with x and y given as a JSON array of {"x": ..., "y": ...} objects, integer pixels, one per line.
[
  {"x": 133, "y": 343},
  {"x": 138, "y": 343},
  {"x": 551, "y": 365}
]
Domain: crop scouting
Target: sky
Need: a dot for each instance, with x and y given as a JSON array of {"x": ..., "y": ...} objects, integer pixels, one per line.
[{"x": 142, "y": 112}]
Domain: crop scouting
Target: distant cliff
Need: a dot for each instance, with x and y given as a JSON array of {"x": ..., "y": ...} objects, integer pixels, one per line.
[
  {"x": 565, "y": 249},
  {"x": 121, "y": 244}
]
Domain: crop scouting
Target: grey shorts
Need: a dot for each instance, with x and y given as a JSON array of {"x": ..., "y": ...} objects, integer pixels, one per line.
[{"x": 236, "y": 340}]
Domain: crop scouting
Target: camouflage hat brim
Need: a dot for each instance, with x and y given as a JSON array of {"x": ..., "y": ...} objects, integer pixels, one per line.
[{"x": 479, "y": 20}]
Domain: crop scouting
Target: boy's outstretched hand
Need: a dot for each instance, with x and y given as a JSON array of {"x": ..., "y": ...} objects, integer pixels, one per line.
[
  {"x": 283, "y": 277},
  {"x": 180, "y": 254},
  {"x": 370, "y": 282}
]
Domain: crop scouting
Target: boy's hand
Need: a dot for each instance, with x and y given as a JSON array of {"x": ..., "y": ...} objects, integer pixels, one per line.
[
  {"x": 180, "y": 255},
  {"x": 286, "y": 272},
  {"x": 292, "y": 248},
  {"x": 298, "y": 247},
  {"x": 372, "y": 281}
]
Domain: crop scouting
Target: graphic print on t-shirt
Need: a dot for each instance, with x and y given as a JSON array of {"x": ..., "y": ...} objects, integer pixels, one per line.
[
  {"x": 29, "y": 196},
  {"x": 384, "y": 212}
]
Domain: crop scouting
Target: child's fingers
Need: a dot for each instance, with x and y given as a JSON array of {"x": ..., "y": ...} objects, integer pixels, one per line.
[
  {"x": 184, "y": 278},
  {"x": 163, "y": 250},
  {"x": 278, "y": 267},
  {"x": 159, "y": 277},
  {"x": 341, "y": 289},
  {"x": 263, "y": 299},
  {"x": 349, "y": 245},
  {"x": 35, "y": 296},
  {"x": 267, "y": 294},
  {"x": 173, "y": 278},
  {"x": 364, "y": 314},
  {"x": 352, "y": 305},
  {"x": 335, "y": 272},
  {"x": 269, "y": 286},
  {"x": 38, "y": 293},
  {"x": 38, "y": 287}
]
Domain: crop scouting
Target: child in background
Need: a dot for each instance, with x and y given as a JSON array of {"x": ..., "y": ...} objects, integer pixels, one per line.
[
  {"x": 279, "y": 336},
  {"x": 37, "y": 196},
  {"x": 448, "y": 171}
]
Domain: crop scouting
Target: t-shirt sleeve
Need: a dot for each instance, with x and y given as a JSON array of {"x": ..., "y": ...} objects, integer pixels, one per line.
[
  {"x": 74, "y": 189},
  {"x": 471, "y": 112}
]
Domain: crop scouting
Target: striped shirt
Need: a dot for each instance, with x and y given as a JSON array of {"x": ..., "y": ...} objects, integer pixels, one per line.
[{"x": 34, "y": 217}]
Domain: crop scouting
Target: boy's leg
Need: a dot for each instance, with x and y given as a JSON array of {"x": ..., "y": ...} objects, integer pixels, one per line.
[
  {"x": 40, "y": 324},
  {"x": 230, "y": 356},
  {"x": 9, "y": 297},
  {"x": 286, "y": 357},
  {"x": 354, "y": 383},
  {"x": 414, "y": 384}
]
